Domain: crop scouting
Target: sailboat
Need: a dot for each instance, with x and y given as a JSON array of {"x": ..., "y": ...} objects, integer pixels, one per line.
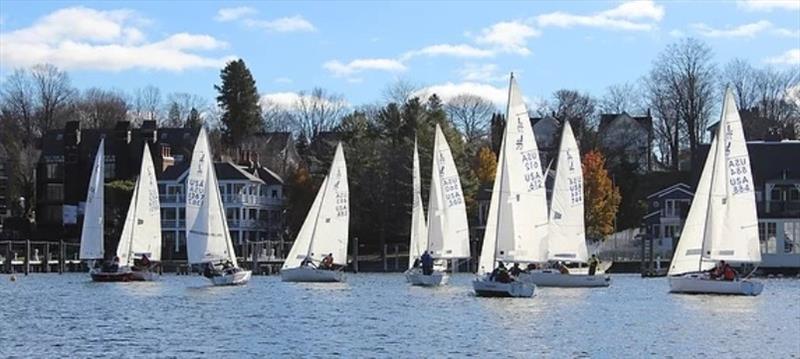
[
  {"x": 516, "y": 226},
  {"x": 722, "y": 224},
  {"x": 566, "y": 230},
  {"x": 208, "y": 240},
  {"x": 92, "y": 233},
  {"x": 325, "y": 231},
  {"x": 418, "y": 241},
  {"x": 448, "y": 229}
]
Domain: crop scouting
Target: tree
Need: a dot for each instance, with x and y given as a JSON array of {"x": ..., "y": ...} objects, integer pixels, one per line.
[
  {"x": 193, "y": 121},
  {"x": 686, "y": 74},
  {"x": 498, "y": 125},
  {"x": 98, "y": 108},
  {"x": 601, "y": 197},
  {"x": 486, "y": 165},
  {"x": 239, "y": 100},
  {"x": 147, "y": 104},
  {"x": 54, "y": 92},
  {"x": 471, "y": 115},
  {"x": 579, "y": 109},
  {"x": 276, "y": 117},
  {"x": 318, "y": 111},
  {"x": 174, "y": 116},
  {"x": 620, "y": 98}
]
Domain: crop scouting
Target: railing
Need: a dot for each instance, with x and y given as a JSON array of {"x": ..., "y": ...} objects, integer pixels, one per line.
[
  {"x": 173, "y": 223},
  {"x": 786, "y": 207},
  {"x": 172, "y": 198},
  {"x": 248, "y": 223},
  {"x": 251, "y": 199}
]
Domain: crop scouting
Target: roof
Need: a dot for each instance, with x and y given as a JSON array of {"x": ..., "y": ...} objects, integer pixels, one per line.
[
  {"x": 607, "y": 119},
  {"x": 680, "y": 186},
  {"x": 768, "y": 160},
  {"x": 269, "y": 177},
  {"x": 226, "y": 171}
]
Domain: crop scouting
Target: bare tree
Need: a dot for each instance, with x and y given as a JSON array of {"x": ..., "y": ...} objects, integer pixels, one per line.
[
  {"x": 625, "y": 97},
  {"x": 318, "y": 111},
  {"x": 53, "y": 90},
  {"x": 579, "y": 109},
  {"x": 182, "y": 104},
  {"x": 689, "y": 74},
  {"x": 471, "y": 114},
  {"x": 146, "y": 104},
  {"x": 276, "y": 117},
  {"x": 400, "y": 91},
  {"x": 98, "y": 108},
  {"x": 666, "y": 127},
  {"x": 741, "y": 76},
  {"x": 18, "y": 106}
]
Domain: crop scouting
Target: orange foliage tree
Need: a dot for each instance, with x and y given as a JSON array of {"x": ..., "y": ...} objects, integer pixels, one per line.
[
  {"x": 601, "y": 197},
  {"x": 485, "y": 165}
]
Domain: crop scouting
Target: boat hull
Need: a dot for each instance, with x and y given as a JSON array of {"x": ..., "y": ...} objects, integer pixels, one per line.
[
  {"x": 553, "y": 278},
  {"x": 601, "y": 269},
  {"x": 699, "y": 284},
  {"x": 145, "y": 276},
  {"x": 238, "y": 278},
  {"x": 415, "y": 277},
  {"x": 98, "y": 276},
  {"x": 517, "y": 289},
  {"x": 309, "y": 274}
]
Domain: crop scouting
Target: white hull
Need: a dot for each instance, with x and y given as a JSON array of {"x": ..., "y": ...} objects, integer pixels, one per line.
[
  {"x": 517, "y": 289},
  {"x": 309, "y": 274},
  {"x": 238, "y": 278},
  {"x": 699, "y": 284},
  {"x": 553, "y": 278},
  {"x": 601, "y": 269},
  {"x": 415, "y": 277}
]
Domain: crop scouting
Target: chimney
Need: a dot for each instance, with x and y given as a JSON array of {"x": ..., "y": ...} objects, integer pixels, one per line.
[
  {"x": 122, "y": 131},
  {"x": 148, "y": 131}
]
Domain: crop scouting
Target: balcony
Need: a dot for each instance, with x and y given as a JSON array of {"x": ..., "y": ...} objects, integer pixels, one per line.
[
  {"x": 783, "y": 208},
  {"x": 172, "y": 198},
  {"x": 247, "y": 224},
  {"x": 250, "y": 200}
]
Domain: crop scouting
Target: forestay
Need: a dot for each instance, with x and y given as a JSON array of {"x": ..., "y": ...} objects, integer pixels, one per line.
[
  {"x": 207, "y": 237},
  {"x": 567, "y": 238},
  {"x": 419, "y": 230},
  {"x": 448, "y": 231},
  {"x": 141, "y": 233},
  {"x": 92, "y": 232}
]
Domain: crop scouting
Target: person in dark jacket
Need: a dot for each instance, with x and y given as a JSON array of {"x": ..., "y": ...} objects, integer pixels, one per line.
[{"x": 427, "y": 263}]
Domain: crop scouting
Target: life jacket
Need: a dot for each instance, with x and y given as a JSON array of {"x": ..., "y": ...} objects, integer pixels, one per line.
[{"x": 728, "y": 273}]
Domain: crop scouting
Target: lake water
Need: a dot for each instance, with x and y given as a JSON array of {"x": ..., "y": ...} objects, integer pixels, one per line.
[{"x": 379, "y": 315}]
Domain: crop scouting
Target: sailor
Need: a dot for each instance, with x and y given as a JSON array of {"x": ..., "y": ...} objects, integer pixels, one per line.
[
  {"x": 728, "y": 273},
  {"x": 427, "y": 263},
  {"x": 515, "y": 270},
  {"x": 593, "y": 263},
  {"x": 496, "y": 273},
  {"x": 718, "y": 271},
  {"x": 114, "y": 265},
  {"x": 307, "y": 262},
  {"x": 562, "y": 268},
  {"x": 327, "y": 262}
]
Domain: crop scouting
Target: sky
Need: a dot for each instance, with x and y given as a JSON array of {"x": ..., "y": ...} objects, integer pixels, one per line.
[{"x": 359, "y": 48}]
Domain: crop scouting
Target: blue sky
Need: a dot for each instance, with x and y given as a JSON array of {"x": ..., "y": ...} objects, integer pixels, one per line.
[{"x": 359, "y": 48}]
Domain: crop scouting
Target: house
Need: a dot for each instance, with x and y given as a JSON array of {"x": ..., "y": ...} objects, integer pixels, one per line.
[
  {"x": 666, "y": 213},
  {"x": 253, "y": 196},
  {"x": 277, "y": 151},
  {"x": 547, "y": 131},
  {"x": 627, "y": 139},
  {"x": 5, "y": 200}
]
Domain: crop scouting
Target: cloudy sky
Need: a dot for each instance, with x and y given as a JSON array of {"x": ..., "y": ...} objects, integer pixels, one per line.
[{"x": 359, "y": 48}]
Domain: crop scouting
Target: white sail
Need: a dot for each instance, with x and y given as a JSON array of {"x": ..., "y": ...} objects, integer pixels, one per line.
[
  {"x": 732, "y": 229},
  {"x": 419, "y": 229},
  {"x": 686, "y": 258},
  {"x": 486, "y": 262},
  {"x": 448, "y": 231},
  {"x": 326, "y": 227},
  {"x": 567, "y": 236},
  {"x": 92, "y": 232},
  {"x": 141, "y": 233},
  {"x": 207, "y": 237},
  {"x": 522, "y": 203},
  {"x": 302, "y": 242}
]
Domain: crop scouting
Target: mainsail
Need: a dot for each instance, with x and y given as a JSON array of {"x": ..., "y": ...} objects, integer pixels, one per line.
[
  {"x": 141, "y": 233},
  {"x": 567, "y": 237},
  {"x": 326, "y": 227},
  {"x": 419, "y": 230},
  {"x": 448, "y": 231},
  {"x": 516, "y": 227},
  {"x": 207, "y": 236},
  {"x": 722, "y": 223},
  {"x": 92, "y": 233}
]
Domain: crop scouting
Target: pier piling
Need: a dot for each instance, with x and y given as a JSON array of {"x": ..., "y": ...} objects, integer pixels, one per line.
[{"x": 27, "y": 266}]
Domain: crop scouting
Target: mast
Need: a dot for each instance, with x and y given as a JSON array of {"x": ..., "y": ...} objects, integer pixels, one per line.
[
  {"x": 500, "y": 193},
  {"x": 135, "y": 204}
]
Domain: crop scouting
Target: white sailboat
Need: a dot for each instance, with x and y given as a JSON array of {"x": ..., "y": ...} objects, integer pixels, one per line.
[
  {"x": 516, "y": 226},
  {"x": 418, "y": 241},
  {"x": 208, "y": 240},
  {"x": 92, "y": 233},
  {"x": 141, "y": 233},
  {"x": 325, "y": 231},
  {"x": 722, "y": 224},
  {"x": 448, "y": 229},
  {"x": 566, "y": 231}
]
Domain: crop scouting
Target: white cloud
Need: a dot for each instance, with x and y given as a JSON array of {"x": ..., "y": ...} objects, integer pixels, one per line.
[
  {"x": 283, "y": 100},
  {"x": 85, "y": 38},
  {"x": 786, "y": 32},
  {"x": 508, "y": 36},
  {"x": 746, "y": 30},
  {"x": 769, "y": 5},
  {"x": 631, "y": 16},
  {"x": 234, "y": 13},
  {"x": 446, "y": 91},
  {"x": 340, "y": 69},
  {"x": 791, "y": 57},
  {"x": 481, "y": 73},
  {"x": 285, "y": 24},
  {"x": 461, "y": 50}
]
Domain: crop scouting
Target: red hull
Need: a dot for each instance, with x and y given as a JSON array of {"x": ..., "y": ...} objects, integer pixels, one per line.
[{"x": 114, "y": 277}]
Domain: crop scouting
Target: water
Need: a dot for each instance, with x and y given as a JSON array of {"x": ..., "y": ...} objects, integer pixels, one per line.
[{"x": 379, "y": 315}]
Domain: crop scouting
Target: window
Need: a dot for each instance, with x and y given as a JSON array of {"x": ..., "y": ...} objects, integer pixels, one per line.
[
  {"x": 794, "y": 194},
  {"x": 672, "y": 231},
  {"x": 791, "y": 237},
  {"x": 55, "y": 192},
  {"x": 110, "y": 170},
  {"x": 274, "y": 193},
  {"x": 775, "y": 195},
  {"x": 52, "y": 214},
  {"x": 54, "y": 170},
  {"x": 767, "y": 232},
  {"x": 669, "y": 208}
]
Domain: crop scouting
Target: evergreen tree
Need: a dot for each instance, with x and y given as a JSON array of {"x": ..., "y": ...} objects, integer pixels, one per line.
[
  {"x": 174, "y": 116},
  {"x": 193, "y": 121},
  {"x": 238, "y": 98}
]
